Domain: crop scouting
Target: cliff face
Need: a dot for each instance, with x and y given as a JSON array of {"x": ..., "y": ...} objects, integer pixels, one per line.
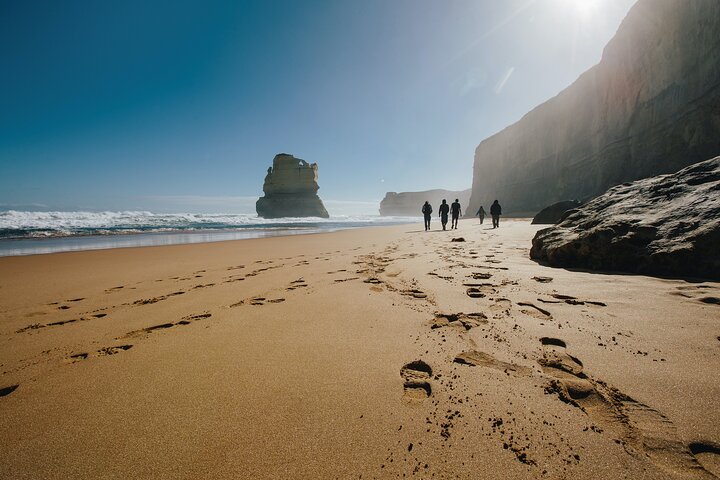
[
  {"x": 291, "y": 190},
  {"x": 651, "y": 106},
  {"x": 410, "y": 203}
]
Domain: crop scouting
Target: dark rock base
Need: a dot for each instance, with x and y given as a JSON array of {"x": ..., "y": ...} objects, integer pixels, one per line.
[
  {"x": 290, "y": 205},
  {"x": 555, "y": 213},
  {"x": 667, "y": 225}
]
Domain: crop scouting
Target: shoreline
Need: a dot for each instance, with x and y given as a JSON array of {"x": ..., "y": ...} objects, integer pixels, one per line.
[
  {"x": 24, "y": 246},
  {"x": 376, "y": 351}
]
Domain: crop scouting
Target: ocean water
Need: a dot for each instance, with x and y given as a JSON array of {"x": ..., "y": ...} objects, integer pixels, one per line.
[{"x": 28, "y": 233}]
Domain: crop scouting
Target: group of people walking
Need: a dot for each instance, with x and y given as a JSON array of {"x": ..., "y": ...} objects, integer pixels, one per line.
[
  {"x": 495, "y": 212},
  {"x": 445, "y": 209}
]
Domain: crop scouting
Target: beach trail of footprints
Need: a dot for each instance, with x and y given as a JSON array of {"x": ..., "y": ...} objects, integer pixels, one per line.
[
  {"x": 644, "y": 432},
  {"x": 105, "y": 313}
]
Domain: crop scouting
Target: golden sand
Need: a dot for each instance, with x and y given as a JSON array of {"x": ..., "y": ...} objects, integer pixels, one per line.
[{"x": 372, "y": 353}]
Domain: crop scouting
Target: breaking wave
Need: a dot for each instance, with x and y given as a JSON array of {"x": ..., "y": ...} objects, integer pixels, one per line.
[{"x": 23, "y": 224}]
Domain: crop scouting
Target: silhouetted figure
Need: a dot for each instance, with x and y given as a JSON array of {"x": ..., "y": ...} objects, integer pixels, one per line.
[
  {"x": 444, "y": 210},
  {"x": 495, "y": 212},
  {"x": 456, "y": 212},
  {"x": 427, "y": 212},
  {"x": 481, "y": 214}
]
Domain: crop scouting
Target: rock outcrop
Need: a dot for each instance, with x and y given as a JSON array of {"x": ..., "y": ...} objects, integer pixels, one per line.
[
  {"x": 651, "y": 106},
  {"x": 665, "y": 225},
  {"x": 554, "y": 213},
  {"x": 409, "y": 203},
  {"x": 291, "y": 190}
]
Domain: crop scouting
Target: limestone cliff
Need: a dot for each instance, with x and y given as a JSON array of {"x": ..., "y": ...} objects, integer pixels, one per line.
[
  {"x": 291, "y": 190},
  {"x": 651, "y": 106},
  {"x": 410, "y": 203}
]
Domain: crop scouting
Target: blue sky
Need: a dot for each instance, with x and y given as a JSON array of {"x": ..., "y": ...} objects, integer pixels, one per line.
[{"x": 181, "y": 105}]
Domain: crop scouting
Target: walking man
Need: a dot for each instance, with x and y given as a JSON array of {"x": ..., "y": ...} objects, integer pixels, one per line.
[
  {"x": 495, "y": 212},
  {"x": 481, "y": 213},
  {"x": 444, "y": 210},
  {"x": 427, "y": 212},
  {"x": 456, "y": 212}
]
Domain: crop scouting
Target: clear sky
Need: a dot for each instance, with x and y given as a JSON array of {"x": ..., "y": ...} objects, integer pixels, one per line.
[{"x": 181, "y": 105}]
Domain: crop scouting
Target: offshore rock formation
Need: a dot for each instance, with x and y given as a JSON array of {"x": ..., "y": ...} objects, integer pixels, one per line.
[
  {"x": 665, "y": 225},
  {"x": 409, "y": 203},
  {"x": 291, "y": 190},
  {"x": 651, "y": 106},
  {"x": 554, "y": 213}
]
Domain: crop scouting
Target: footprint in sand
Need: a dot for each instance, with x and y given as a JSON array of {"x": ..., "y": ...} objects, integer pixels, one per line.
[
  {"x": 479, "y": 290},
  {"x": 481, "y": 276},
  {"x": 476, "y": 358},
  {"x": 501, "y": 305},
  {"x": 79, "y": 356},
  {"x": 162, "y": 326},
  {"x": 644, "y": 432},
  {"x": 341, "y": 280},
  {"x": 541, "y": 279},
  {"x": 416, "y": 376},
  {"x": 465, "y": 320},
  {"x": 537, "y": 312},
  {"x": 415, "y": 293},
  {"x": 570, "y": 300},
  {"x": 299, "y": 283},
  {"x": 5, "y": 391},
  {"x": 710, "y": 300},
  {"x": 708, "y": 454},
  {"x": 113, "y": 350}
]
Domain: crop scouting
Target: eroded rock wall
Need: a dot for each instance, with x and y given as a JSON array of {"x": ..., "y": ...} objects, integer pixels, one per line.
[{"x": 651, "y": 106}]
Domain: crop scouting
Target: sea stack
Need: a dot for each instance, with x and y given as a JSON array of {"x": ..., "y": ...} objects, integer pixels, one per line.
[{"x": 291, "y": 189}]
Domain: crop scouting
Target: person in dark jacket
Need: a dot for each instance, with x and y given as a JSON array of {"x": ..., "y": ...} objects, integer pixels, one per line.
[
  {"x": 456, "y": 212},
  {"x": 427, "y": 212},
  {"x": 495, "y": 212},
  {"x": 443, "y": 213},
  {"x": 481, "y": 214}
]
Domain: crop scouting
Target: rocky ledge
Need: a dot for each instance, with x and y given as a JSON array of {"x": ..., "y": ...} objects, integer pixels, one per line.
[
  {"x": 291, "y": 190},
  {"x": 664, "y": 225}
]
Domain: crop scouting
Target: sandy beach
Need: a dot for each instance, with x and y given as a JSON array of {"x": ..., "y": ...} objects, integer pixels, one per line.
[{"x": 372, "y": 353}]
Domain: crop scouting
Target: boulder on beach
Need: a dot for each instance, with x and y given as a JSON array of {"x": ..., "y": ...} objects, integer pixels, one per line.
[
  {"x": 291, "y": 190},
  {"x": 665, "y": 225},
  {"x": 554, "y": 213}
]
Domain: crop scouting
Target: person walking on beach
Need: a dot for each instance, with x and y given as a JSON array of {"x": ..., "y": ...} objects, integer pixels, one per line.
[
  {"x": 495, "y": 211},
  {"x": 427, "y": 212},
  {"x": 444, "y": 210},
  {"x": 481, "y": 213},
  {"x": 456, "y": 212}
]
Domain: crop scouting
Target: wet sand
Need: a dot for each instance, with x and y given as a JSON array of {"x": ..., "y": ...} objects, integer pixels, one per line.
[{"x": 371, "y": 353}]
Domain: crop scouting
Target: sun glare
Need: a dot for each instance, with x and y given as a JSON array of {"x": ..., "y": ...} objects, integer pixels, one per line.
[{"x": 584, "y": 10}]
